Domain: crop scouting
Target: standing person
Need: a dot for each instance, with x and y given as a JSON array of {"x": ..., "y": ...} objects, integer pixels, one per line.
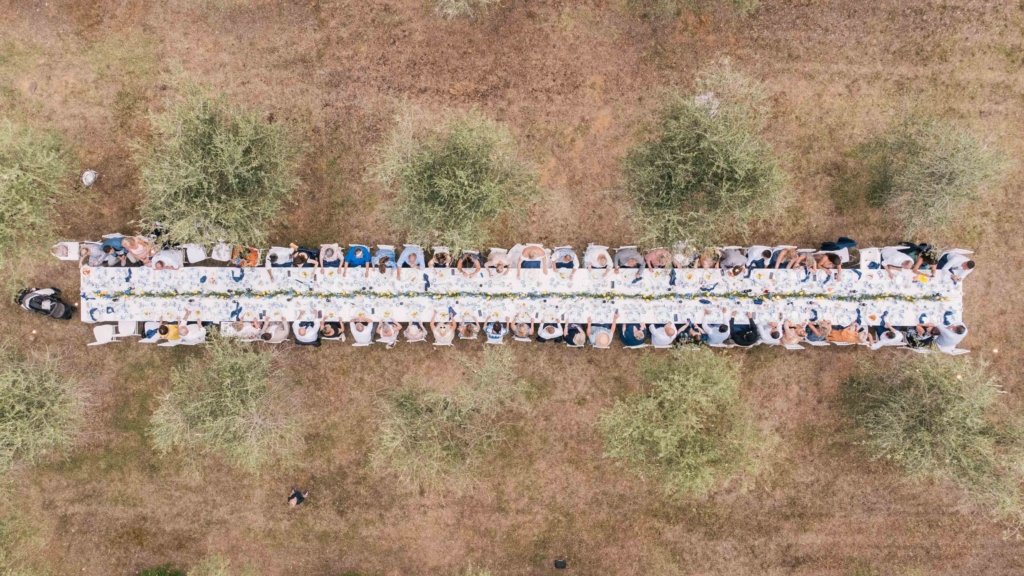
[
  {"x": 958, "y": 265},
  {"x": 949, "y": 336}
]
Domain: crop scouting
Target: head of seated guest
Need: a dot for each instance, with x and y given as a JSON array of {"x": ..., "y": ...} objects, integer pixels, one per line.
[
  {"x": 383, "y": 259},
  {"x": 279, "y": 260},
  {"x": 563, "y": 258},
  {"x": 498, "y": 263},
  {"x": 658, "y": 258},
  {"x": 411, "y": 257},
  {"x": 958, "y": 265},
  {"x": 332, "y": 330},
  {"x": 828, "y": 261},
  {"x": 633, "y": 334},
  {"x": 575, "y": 335},
  {"x": 628, "y": 258},
  {"x": 758, "y": 257},
  {"x": 440, "y": 260},
  {"x": 415, "y": 332},
  {"x": 114, "y": 250},
  {"x": 357, "y": 256},
  {"x": 708, "y": 258},
  {"x": 731, "y": 258},
  {"x": 330, "y": 257},
  {"x": 469, "y": 264},
  {"x": 533, "y": 257},
  {"x": 168, "y": 330},
  {"x": 468, "y": 329},
  {"x": 244, "y": 257}
]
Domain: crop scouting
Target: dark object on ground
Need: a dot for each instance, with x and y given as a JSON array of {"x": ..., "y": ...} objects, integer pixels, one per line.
[
  {"x": 45, "y": 301},
  {"x": 296, "y": 497},
  {"x": 560, "y": 564}
]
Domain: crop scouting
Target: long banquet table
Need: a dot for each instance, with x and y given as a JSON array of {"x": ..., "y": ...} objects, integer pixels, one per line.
[{"x": 224, "y": 294}]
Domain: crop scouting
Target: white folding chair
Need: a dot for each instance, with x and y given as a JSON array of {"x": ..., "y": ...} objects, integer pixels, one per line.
[
  {"x": 112, "y": 235},
  {"x": 954, "y": 351},
  {"x": 843, "y": 343},
  {"x": 127, "y": 328},
  {"x": 662, "y": 347},
  {"x": 722, "y": 345},
  {"x": 283, "y": 254},
  {"x": 104, "y": 334},
  {"x": 869, "y": 256},
  {"x": 960, "y": 251},
  {"x": 171, "y": 343},
  {"x": 147, "y": 328},
  {"x": 817, "y": 342},
  {"x": 72, "y": 250},
  {"x": 437, "y": 344},
  {"x": 221, "y": 252},
  {"x": 194, "y": 253},
  {"x": 793, "y": 347}
]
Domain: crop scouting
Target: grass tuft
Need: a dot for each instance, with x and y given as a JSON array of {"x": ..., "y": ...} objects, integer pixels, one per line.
[
  {"x": 33, "y": 168},
  {"x": 215, "y": 171},
  {"x": 705, "y": 168},
  {"x": 926, "y": 171},
  {"x": 451, "y": 9},
  {"x": 40, "y": 409},
  {"x": 939, "y": 417},
  {"x": 662, "y": 9},
  {"x": 456, "y": 183},
  {"x": 429, "y": 438},
  {"x": 227, "y": 403},
  {"x": 688, "y": 427}
]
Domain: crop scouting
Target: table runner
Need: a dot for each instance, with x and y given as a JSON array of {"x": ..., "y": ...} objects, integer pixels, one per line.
[{"x": 219, "y": 294}]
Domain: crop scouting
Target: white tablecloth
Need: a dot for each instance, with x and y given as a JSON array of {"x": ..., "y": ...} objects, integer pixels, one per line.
[{"x": 226, "y": 294}]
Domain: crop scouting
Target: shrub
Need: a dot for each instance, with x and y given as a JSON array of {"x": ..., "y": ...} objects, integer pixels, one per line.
[
  {"x": 705, "y": 167},
  {"x": 227, "y": 403},
  {"x": 925, "y": 171},
  {"x": 39, "y": 408},
  {"x": 165, "y": 570},
  {"x": 429, "y": 437},
  {"x": 216, "y": 171},
  {"x": 455, "y": 183},
  {"x": 32, "y": 171},
  {"x": 937, "y": 418},
  {"x": 688, "y": 427},
  {"x": 451, "y": 9}
]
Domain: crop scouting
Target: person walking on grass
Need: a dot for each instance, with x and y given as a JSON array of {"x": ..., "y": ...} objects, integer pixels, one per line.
[{"x": 296, "y": 497}]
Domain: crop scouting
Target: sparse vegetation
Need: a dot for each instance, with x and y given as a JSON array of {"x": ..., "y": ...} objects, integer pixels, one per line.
[
  {"x": 455, "y": 183},
  {"x": 227, "y": 402},
  {"x": 687, "y": 427},
  {"x": 428, "y": 437},
  {"x": 926, "y": 172},
  {"x": 939, "y": 417},
  {"x": 705, "y": 167},
  {"x": 212, "y": 566},
  {"x": 165, "y": 570},
  {"x": 215, "y": 171},
  {"x": 658, "y": 9},
  {"x": 33, "y": 168},
  {"x": 450, "y": 9},
  {"x": 39, "y": 408}
]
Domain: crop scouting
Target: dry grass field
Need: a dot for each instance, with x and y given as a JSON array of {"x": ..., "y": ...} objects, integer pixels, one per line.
[{"x": 574, "y": 81}]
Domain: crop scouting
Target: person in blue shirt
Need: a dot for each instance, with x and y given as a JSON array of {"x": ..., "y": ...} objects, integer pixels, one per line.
[
  {"x": 495, "y": 331},
  {"x": 383, "y": 259},
  {"x": 412, "y": 257},
  {"x": 358, "y": 255},
  {"x": 113, "y": 248},
  {"x": 633, "y": 335}
]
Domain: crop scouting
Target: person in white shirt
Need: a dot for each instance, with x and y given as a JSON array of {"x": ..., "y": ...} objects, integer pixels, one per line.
[
  {"x": 414, "y": 332},
  {"x": 387, "y": 332},
  {"x": 192, "y": 333},
  {"x": 362, "y": 332},
  {"x": 274, "y": 332},
  {"x": 716, "y": 333},
  {"x": 893, "y": 259},
  {"x": 167, "y": 260},
  {"x": 958, "y": 265},
  {"x": 663, "y": 336},
  {"x": 307, "y": 332},
  {"x": 495, "y": 331},
  {"x": 770, "y": 333},
  {"x": 950, "y": 336},
  {"x": 550, "y": 333},
  {"x": 444, "y": 332}
]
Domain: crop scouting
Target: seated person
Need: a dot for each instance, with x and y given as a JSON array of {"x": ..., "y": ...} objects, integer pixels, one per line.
[
  {"x": 658, "y": 258},
  {"x": 139, "y": 248},
  {"x": 600, "y": 335},
  {"x": 533, "y": 257},
  {"x": 167, "y": 260},
  {"x": 279, "y": 260},
  {"x": 818, "y": 331},
  {"x": 694, "y": 333},
  {"x": 330, "y": 257},
  {"x": 707, "y": 258},
  {"x": 441, "y": 259},
  {"x": 894, "y": 260},
  {"x": 362, "y": 331},
  {"x": 769, "y": 332},
  {"x": 495, "y": 331},
  {"x": 467, "y": 261},
  {"x": 949, "y": 336},
  {"x": 828, "y": 261},
  {"x": 191, "y": 333},
  {"x": 597, "y": 259},
  {"x": 758, "y": 257},
  {"x": 563, "y": 258},
  {"x": 629, "y": 258},
  {"x": 852, "y": 334},
  {"x": 497, "y": 262},
  {"x": 307, "y": 332},
  {"x": 383, "y": 259},
  {"x": 683, "y": 255},
  {"x": 731, "y": 258},
  {"x": 444, "y": 332},
  {"x": 468, "y": 329},
  {"x": 387, "y": 332},
  {"x": 91, "y": 254},
  {"x": 958, "y": 265},
  {"x": 793, "y": 333},
  {"x": 304, "y": 258},
  {"x": 415, "y": 332},
  {"x": 274, "y": 332},
  {"x": 358, "y": 256},
  {"x": 785, "y": 258},
  {"x": 245, "y": 257},
  {"x": 921, "y": 335},
  {"x": 168, "y": 331},
  {"x": 716, "y": 334},
  {"x": 743, "y": 334},
  {"x": 663, "y": 335},
  {"x": 246, "y": 331},
  {"x": 888, "y": 336},
  {"x": 412, "y": 257},
  {"x": 550, "y": 333},
  {"x": 522, "y": 331},
  {"x": 114, "y": 247},
  {"x": 633, "y": 335},
  {"x": 575, "y": 335},
  {"x": 333, "y": 330}
]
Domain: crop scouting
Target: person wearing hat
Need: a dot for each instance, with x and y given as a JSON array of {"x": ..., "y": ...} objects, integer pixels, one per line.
[{"x": 601, "y": 335}]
